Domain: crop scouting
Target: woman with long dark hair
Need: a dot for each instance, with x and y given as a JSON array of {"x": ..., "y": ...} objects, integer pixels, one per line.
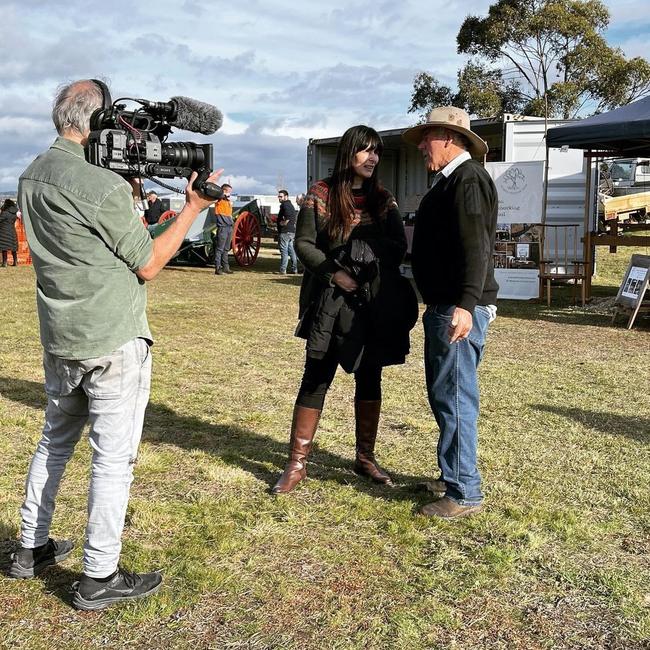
[
  {"x": 8, "y": 239},
  {"x": 356, "y": 309}
]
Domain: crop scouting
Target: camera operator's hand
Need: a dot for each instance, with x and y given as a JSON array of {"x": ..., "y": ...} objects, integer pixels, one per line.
[
  {"x": 195, "y": 200},
  {"x": 345, "y": 281}
]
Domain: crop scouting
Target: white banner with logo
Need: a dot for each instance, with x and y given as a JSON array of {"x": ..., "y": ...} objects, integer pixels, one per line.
[{"x": 520, "y": 186}]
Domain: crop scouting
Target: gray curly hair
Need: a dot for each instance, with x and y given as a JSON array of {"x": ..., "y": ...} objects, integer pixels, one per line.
[{"x": 74, "y": 104}]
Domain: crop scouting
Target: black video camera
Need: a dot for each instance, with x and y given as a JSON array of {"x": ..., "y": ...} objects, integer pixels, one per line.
[{"x": 133, "y": 143}]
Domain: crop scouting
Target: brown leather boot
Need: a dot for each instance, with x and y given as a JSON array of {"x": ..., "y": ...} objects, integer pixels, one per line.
[
  {"x": 367, "y": 421},
  {"x": 447, "y": 508},
  {"x": 303, "y": 428}
]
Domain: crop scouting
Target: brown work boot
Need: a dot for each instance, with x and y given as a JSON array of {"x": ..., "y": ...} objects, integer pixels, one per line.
[
  {"x": 367, "y": 421},
  {"x": 303, "y": 428},
  {"x": 447, "y": 508}
]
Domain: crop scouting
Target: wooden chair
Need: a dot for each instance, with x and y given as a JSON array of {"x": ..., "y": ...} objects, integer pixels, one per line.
[{"x": 561, "y": 253}]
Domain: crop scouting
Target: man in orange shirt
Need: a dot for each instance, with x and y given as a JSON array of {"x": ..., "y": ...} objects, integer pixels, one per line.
[{"x": 223, "y": 237}]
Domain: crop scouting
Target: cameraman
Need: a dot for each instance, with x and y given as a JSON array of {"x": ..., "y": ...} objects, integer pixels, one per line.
[{"x": 92, "y": 257}]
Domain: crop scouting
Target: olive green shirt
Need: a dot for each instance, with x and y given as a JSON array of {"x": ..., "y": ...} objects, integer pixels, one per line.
[{"x": 86, "y": 243}]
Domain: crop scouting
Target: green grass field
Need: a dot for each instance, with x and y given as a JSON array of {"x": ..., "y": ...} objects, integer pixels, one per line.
[{"x": 558, "y": 559}]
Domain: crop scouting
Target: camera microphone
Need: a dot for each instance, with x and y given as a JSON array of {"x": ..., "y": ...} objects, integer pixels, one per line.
[
  {"x": 198, "y": 117},
  {"x": 188, "y": 114}
]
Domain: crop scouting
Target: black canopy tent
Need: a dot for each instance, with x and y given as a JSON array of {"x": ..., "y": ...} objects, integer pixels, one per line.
[{"x": 625, "y": 131}]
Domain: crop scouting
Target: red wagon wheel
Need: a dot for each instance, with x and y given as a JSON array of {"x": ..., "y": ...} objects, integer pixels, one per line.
[
  {"x": 246, "y": 239},
  {"x": 168, "y": 214}
]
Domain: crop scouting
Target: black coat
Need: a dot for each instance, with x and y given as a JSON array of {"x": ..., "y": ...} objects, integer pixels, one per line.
[
  {"x": 340, "y": 320},
  {"x": 286, "y": 213},
  {"x": 153, "y": 213},
  {"x": 378, "y": 330},
  {"x": 8, "y": 239}
]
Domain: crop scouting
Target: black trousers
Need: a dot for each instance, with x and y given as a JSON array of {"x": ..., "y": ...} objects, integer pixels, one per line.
[
  {"x": 222, "y": 242},
  {"x": 319, "y": 374}
]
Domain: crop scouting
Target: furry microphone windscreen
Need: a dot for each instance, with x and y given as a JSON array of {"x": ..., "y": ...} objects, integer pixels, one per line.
[{"x": 198, "y": 117}]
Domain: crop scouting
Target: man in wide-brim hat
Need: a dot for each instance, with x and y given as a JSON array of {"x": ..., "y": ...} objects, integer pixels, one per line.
[
  {"x": 450, "y": 119},
  {"x": 452, "y": 262}
]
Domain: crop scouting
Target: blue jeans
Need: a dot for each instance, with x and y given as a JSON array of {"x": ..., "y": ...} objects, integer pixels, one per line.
[
  {"x": 111, "y": 393},
  {"x": 285, "y": 242},
  {"x": 452, "y": 387},
  {"x": 222, "y": 243}
]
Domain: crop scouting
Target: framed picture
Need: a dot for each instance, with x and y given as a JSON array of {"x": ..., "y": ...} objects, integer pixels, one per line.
[{"x": 633, "y": 289}]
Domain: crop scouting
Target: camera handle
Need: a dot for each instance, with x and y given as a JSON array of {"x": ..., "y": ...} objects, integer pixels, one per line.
[{"x": 211, "y": 190}]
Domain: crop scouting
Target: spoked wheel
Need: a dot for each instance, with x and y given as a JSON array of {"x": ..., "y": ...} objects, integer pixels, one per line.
[
  {"x": 246, "y": 239},
  {"x": 168, "y": 214}
]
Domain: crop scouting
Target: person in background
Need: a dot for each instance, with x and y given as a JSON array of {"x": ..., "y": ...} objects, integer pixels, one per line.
[
  {"x": 8, "y": 239},
  {"x": 452, "y": 262},
  {"x": 356, "y": 309},
  {"x": 92, "y": 259},
  {"x": 299, "y": 199},
  {"x": 223, "y": 237},
  {"x": 286, "y": 232},
  {"x": 155, "y": 210}
]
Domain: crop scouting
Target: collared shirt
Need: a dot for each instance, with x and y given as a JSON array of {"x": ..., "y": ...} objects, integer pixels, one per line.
[
  {"x": 86, "y": 243},
  {"x": 447, "y": 170}
]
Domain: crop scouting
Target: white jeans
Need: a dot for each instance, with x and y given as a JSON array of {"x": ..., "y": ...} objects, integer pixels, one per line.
[{"x": 111, "y": 393}]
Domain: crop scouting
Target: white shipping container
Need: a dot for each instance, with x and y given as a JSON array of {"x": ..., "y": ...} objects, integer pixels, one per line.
[{"x": 510, "y": 139}]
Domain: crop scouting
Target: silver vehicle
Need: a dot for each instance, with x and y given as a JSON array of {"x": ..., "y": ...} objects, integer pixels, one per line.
[{"x": 626, "y": 176}]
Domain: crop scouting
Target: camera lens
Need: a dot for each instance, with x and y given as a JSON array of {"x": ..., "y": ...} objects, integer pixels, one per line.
[{"x": 183, "y": 154}]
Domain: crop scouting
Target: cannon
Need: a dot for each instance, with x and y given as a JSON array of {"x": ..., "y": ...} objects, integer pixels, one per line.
[{"x": 251, "y": 221}]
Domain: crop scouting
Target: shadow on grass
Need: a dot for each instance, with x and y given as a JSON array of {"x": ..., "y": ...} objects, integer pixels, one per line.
[
  {"x": 56, "y": 579},
  {"x": 8, "y": 543},
  {"x": 564, "y": 311},
  {"x": 560, "y": 313},
  {"x": 291, "y": 279},
  {"x": 631, "y": 426},
  {"x": 234, "y": 445},
  {"x": 261, "y": 265},
  {"x": 58, "y": 582}
]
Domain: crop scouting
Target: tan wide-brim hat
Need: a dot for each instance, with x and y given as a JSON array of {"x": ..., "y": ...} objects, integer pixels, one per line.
[{"x": 452, "y": 118}]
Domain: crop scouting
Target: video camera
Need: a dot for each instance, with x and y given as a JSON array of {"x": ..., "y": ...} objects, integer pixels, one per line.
[{"x": 133, "y": 143}]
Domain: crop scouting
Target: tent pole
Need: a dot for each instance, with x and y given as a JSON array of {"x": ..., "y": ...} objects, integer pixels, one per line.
[
  {"x": 586, "y": 256},
  {"x": 544, "y": 205},
  {"x": 545, "y": 197}
]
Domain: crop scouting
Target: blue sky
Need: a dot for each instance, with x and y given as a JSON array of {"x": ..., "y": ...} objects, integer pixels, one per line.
[{"x": 281, "y": 72}]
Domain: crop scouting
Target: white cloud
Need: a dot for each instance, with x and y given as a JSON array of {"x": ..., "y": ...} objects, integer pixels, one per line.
[
  {"x": 233, "y": 127},
  {"x": 636, "y": 46},
  {"x": 17, "y": 125},
  {"x": 281, "y": 71},
  {"x": 625, "y": 12},
  {"x": 249, "y": 185}
]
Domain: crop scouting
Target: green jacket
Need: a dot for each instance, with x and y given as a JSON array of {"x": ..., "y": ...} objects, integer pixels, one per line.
[{"x": 86, "y": 243}]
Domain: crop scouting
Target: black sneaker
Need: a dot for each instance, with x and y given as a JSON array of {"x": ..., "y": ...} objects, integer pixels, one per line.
[
  {"x": 91, "y": 594},
  {"x": 29, "y": 562}
]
